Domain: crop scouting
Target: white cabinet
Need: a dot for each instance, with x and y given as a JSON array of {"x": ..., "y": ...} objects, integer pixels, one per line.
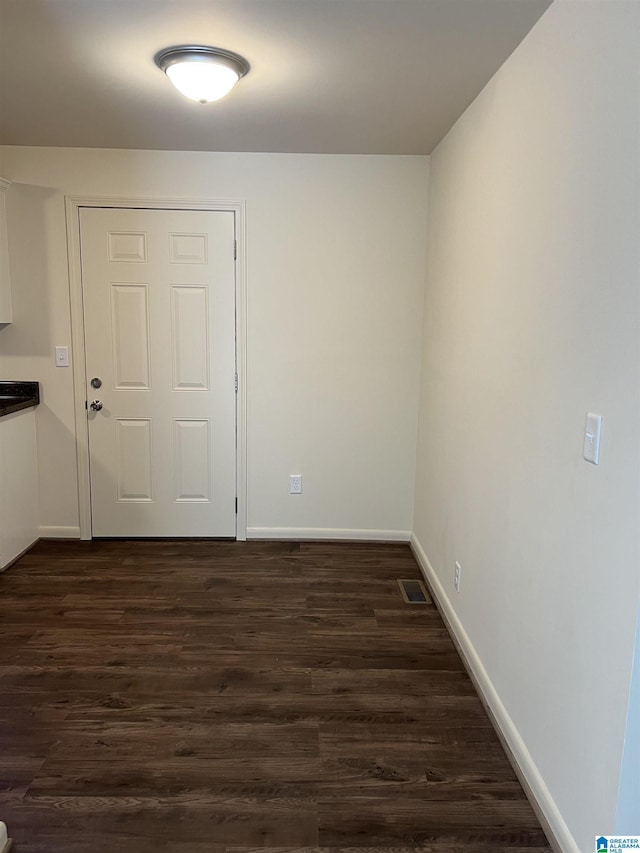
[
  {"x": 18, "y": 484},
  {"x": 6, "y": 314}
]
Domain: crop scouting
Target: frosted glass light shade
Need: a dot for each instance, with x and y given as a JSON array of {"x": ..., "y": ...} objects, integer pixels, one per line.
[
  {"x": 202, "y": 73},
  {"x": 202, "y": 81}
]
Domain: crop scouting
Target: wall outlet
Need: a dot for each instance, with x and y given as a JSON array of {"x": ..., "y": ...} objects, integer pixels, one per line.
[
  {"x": 456, "y": 576},
  {"x": 295, "y": 484}
]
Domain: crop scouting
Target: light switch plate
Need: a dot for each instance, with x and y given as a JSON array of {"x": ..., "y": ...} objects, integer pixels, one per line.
[
  {"x": 592, "y": 430},
  {"x": 62, "y": 356}
]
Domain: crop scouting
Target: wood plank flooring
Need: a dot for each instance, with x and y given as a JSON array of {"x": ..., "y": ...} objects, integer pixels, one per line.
[{"x": 192, "y": 696}]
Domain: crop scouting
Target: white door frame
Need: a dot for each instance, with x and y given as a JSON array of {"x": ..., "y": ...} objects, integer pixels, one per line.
[{"x": 73, "y": 204}]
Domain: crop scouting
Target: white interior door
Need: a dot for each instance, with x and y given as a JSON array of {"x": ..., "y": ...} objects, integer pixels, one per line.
[{"x": 159, "y": 310}]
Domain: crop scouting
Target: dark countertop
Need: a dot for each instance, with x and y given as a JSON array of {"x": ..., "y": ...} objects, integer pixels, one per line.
[{"x": 18, "y": 395}]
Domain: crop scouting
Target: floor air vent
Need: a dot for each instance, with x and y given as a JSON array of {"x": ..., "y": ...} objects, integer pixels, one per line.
[{"x": 413, "y": 592}]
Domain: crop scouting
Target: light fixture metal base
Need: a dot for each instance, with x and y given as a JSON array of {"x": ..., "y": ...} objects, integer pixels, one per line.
[{"x": 201, "y": 53}]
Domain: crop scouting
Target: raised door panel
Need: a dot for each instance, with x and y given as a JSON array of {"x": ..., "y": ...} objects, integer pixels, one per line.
[
  {"x": 188, "y": 248},
  {"x": 190, "y": 337},
  {"x": 127, "y": 246},
  {"x": 192, "y": 460},
  {"x": 133, "y": 459},
  {"x": 130, "y": 336}
]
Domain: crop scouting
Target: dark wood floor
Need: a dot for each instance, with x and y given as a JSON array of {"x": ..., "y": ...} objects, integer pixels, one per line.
[{"x": 228, "y": 697}]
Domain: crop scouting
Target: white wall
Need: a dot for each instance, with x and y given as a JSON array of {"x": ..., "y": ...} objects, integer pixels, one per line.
[
  {"x": 531, "y": 320},
  {"x": 335, "y": 270},
  {"x": 628, "y": 810}
]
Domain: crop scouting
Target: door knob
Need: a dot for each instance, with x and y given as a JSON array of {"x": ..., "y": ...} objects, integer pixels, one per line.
[{"x": 95, "y": 405}]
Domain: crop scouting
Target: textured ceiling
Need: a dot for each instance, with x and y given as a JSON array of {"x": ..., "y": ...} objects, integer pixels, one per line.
[{"x": 329, "y": 76}]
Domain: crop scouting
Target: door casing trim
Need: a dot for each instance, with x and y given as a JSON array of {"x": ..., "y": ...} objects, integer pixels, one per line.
[{"x": 73, "y": 204}]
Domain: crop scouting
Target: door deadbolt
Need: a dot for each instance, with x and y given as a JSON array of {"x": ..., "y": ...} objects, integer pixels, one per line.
[{"x": 96, "y": 382}]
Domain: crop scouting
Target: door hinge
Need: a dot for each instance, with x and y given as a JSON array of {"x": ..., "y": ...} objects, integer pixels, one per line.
[
  {"x": 235, "y": 250},
  {"x": 236, "y": 506},
  {"x": 235, "y": 382}
]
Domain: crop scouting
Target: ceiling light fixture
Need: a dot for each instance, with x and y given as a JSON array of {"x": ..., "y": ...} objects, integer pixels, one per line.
[{"x": 202, "y": 73}]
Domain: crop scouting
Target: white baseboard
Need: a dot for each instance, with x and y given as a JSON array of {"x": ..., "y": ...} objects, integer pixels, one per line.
[
  {"x": 53, "y": 532},
  {"x": 530, "y": 777},
  {"x": 312, "y": 533}
]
